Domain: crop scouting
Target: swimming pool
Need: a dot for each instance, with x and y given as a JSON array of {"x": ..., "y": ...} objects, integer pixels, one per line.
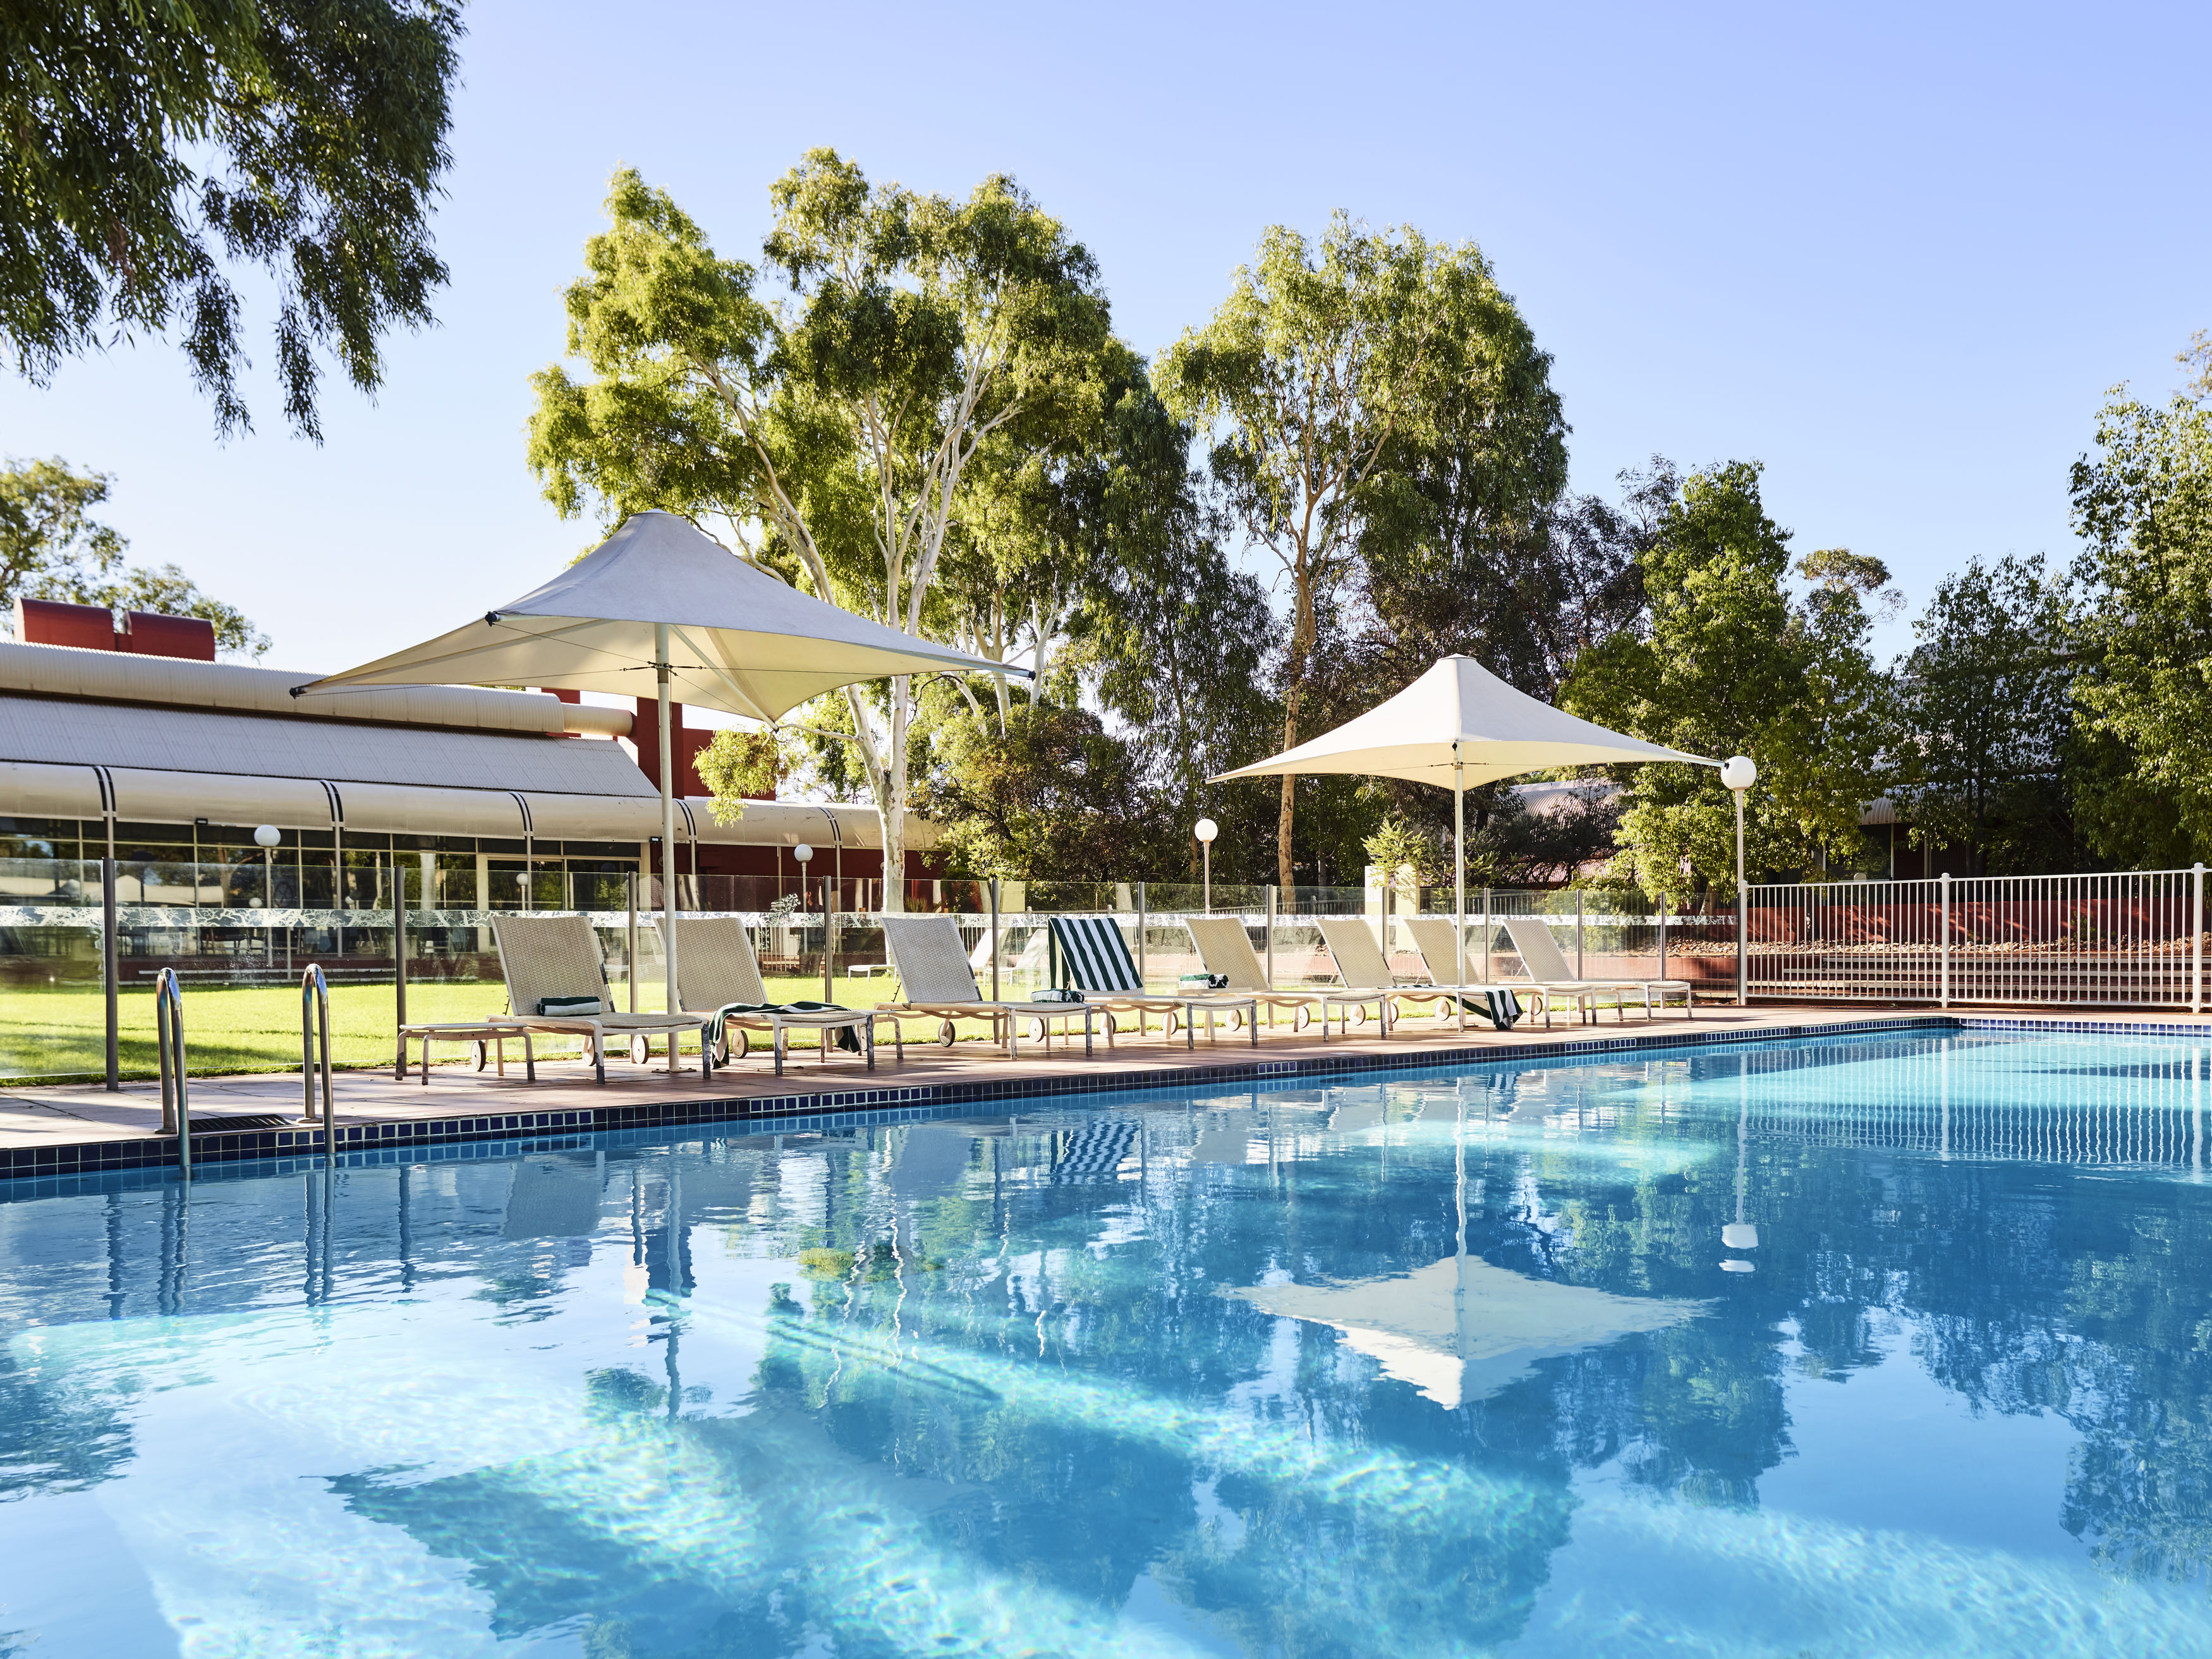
[{"x": 1432, "y": 1364}]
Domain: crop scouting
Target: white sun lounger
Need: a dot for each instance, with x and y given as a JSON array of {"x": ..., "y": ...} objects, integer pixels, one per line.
[
  {"x": 1097, "y": 961},
  {"x": 1548, "y": 967},
  {"x": 1436, "y": 942},
  {"x": 715, "y": 969},
  {"x": 936, "y": 982},
  {"x": 546, "y": 957},
  {"x": 1225, "y": 948},
  {"x": 1360, "y": 960}
]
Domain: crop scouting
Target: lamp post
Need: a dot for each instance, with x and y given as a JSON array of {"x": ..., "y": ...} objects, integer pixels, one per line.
[
  {"x": 1737, "y": 776},
  {"x": 1205, "y": 829},
  {"x": 266, "y": 838},
  {"x": 803, "y": 856}
]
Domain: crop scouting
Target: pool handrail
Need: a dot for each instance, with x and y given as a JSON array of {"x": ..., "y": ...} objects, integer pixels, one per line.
[
  {"x": 315, "y": 1022},
  {"x": 169, "y": 1049}
]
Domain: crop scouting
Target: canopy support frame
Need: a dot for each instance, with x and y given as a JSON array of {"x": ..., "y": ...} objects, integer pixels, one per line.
[
  {"x": 661, "y": 672},
  {"x": 1459, "y": 856}
]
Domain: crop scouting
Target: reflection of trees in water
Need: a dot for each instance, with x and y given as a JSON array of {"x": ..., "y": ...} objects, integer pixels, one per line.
[
  {"x": 59, "y": 1432},
  {"x": 1036, "y": 1378}
]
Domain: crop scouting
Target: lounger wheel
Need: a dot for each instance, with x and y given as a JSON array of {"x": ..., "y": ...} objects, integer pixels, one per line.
[
  {"x": 945, "y": 1033},
  {"x": 722, "y": 1048},
  {"x": 483, "y": 1055},
  {"x": 640, "y": 1051},
  {"x": 1037, "y": 1030}
]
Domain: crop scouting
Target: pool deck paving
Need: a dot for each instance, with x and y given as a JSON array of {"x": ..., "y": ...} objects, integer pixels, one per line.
[{"x": 79, "y": 1129}]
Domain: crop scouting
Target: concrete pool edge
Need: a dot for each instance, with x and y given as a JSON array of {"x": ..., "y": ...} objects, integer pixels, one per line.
[{"x": 25, "y": 1171}]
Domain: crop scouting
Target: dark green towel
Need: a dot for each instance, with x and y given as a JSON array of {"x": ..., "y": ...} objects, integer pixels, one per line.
[
  {"x": 847, "y": 1038},
  {"x": 1500, "y": 1003}
]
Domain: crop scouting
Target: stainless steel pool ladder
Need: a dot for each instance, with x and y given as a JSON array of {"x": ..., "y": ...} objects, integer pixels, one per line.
[
  {"x": 169, "y": 1046},
  {"x": 314, "y": 1025}
]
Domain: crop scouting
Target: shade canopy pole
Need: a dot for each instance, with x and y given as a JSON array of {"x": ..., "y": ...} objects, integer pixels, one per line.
[
  {"x": 660, "y": 668},
  {"x": 1459, "y": 855}
]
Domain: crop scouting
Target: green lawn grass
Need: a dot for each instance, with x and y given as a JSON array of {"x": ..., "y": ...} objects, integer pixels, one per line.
[{"x": 60, "y": 1030}]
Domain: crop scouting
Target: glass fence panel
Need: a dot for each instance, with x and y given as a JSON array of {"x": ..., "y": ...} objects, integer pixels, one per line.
[
  {"x": 238, "y": 960},
  {"x": 53, "y": 1009}
]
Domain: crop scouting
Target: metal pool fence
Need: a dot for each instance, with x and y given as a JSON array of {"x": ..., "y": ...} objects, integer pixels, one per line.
[{"x": 2131, "y": 939}]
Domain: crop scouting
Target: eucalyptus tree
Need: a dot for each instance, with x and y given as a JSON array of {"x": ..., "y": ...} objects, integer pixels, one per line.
[
  {"x": 1724, "y": 662},
  {"x": 2142, "y": 502},
  {"x": 153, "y": 148},
  {"x": 832, "y": 426},
  {"x": 1987, "y": 697},
  {"x": 1330, "y": 376}
]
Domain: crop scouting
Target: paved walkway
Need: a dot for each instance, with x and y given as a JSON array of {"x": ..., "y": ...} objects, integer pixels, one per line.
[{"x": 33, "y": 1119}]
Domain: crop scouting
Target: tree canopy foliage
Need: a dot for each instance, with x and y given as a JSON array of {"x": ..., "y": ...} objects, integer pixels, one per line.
[
  {"x": 153, "y": 150},
  {"x": 52, "y": 548},
  {"x": 1374, "y": 402},
  {"x": 1986, "y": 706},
  {"x": 1726, "y": 662},
  {"x": 2142, "y": 503},
  {"x": 834, "y": 429},
  {"x": 916, "y": 407}
]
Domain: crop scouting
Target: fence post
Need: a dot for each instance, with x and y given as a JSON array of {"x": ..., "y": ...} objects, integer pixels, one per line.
[
  {"x": 1945, "y": 990},
  {"x": 1485, "y": 936},
  {"x": 400, "y": 936},
  {"x": 2196, "y": 940},
  {"x": 1272, "y": 891},
  {"x": 994, "y": 939},
  {"x": 1578, "y": 933},
  {"x": 1742, "y": 918},
  {"x": 1662, "y": 936},
  {"x": 830, "y": 896},
  {"x": 631, "y": 885},
  {"x": 107, "y": 970},
  {"x": 1140, "y": 933}
]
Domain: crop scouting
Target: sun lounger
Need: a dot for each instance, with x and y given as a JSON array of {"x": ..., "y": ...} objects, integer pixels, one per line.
[
  {"x": 1353, "y": 946},
  {"x": 718, "y": 977},
  {"x": 936, "y": 982},
  {"x": 556, "y": 959},
  {"x": 1225, "y": 948},
  {"x": 1547, "y": 968},
  {"x": 1097, "y": 962},
  {"x": 1436, "y": 943}
]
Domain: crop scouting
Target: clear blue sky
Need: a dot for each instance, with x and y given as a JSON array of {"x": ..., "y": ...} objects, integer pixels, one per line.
[{"x": 1897, "y": 253}]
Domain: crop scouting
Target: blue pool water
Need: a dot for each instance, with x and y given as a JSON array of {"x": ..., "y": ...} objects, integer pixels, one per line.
[{"x": 1440, "y": 1365}]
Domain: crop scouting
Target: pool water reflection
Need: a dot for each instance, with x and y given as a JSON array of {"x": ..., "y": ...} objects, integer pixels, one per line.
[{"x": 1445, "y": 1364}]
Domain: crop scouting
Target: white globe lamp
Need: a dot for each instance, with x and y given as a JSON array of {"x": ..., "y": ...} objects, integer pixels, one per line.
[
  {"x": 1738, "y": 773},
  {"x": 1205, "y": 829}
]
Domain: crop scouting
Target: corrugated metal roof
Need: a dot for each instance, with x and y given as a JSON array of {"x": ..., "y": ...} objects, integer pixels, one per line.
[{"x": 67, "y": 731}]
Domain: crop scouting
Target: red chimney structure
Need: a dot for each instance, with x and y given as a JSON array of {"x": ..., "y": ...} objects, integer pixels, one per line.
[{"x": 92, "y": 627}]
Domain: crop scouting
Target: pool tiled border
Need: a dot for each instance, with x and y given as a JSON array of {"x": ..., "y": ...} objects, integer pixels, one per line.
[{"x": 369, "y": 1144}]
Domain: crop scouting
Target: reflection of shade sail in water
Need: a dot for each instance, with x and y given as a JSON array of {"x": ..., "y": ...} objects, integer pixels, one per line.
[{"x": 1459, "y": 1331}]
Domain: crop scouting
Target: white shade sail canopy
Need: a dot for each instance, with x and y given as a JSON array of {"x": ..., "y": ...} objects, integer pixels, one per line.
[
  {"x": 741, "y": 641},
  {"x": 1459, "y": 711}
]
